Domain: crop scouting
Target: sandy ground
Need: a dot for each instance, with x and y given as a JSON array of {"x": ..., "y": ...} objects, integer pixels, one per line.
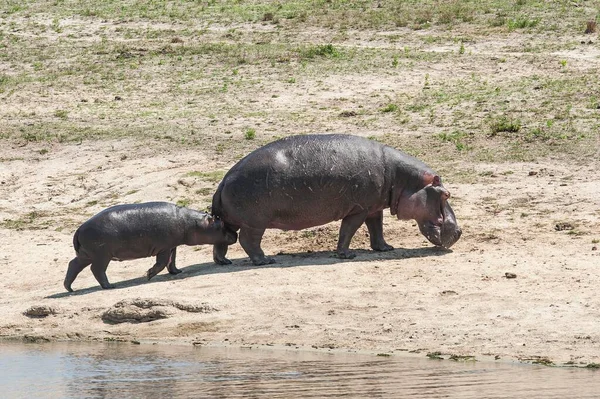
[{"x": 413, "y": 299}]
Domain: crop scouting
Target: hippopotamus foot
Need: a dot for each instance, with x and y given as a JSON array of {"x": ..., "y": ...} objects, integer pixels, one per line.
[
  {"x": 262, "y": 260},
  {"x": 75, "y": 267},
  {"x": 219, "y": 252},
  {"x": 250, "y": 240},
  {"x": 346, "y": 254},
  {"x": 374, "y": 224}
]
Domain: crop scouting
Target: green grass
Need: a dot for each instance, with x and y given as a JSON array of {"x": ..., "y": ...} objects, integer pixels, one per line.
[
  {"x": 183, "y": 202},
  {"x": 250, "y": 134},
  {"x": 196, "y": 78},
  {"x": 457, "y": 137},
  {"x": 505, "y": 124},
  {"x": 213, "y": 177},
  {"x": 390, "y": 108}
]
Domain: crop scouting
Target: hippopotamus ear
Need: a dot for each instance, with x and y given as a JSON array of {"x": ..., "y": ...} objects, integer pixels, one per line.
[{"x": 437, "y": 181}]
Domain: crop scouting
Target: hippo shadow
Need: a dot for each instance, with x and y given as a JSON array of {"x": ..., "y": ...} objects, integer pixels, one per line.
[
  {"x": 311, "y": 258},
  {"x": 283, "y": 260}
]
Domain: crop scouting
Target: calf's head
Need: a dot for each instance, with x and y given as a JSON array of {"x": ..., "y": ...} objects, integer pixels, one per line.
[{"x": 210, "y": 230}]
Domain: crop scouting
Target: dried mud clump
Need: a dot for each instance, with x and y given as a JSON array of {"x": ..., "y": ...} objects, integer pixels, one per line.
[
  {"x": 591, "y": 27},
  {"x": 39, "y": 311},
  {"x": 147, "y": 310}
]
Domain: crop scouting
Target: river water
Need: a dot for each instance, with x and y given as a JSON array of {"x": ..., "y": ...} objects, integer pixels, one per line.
[{"x": 75, "y": 370}]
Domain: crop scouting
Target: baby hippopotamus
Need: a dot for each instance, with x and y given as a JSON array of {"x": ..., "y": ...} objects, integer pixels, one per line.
[{"x": 134, "y": 231}]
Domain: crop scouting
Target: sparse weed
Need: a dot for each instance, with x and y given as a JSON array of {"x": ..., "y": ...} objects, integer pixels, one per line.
[
  {"x": 504, "y": 124},
  {"x": 457, "y": 138},
  {"x": 61, "y": 113},
  {"x": 184, "y": 202},
  {"x": 213, "y": 177},
  {"x": 390, "y": 108},
  {"x": 250, "y": 134},
  {"x": 522, "y": 22}
]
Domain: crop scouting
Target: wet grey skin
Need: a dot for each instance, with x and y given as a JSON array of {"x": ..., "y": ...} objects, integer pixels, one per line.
[
  {"x": 134, "y": 231},
  {"x": 305, "y": 181}
]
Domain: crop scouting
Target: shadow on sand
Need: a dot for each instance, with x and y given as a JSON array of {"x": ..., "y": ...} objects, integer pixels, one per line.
[{"x": 283, "y": 260}]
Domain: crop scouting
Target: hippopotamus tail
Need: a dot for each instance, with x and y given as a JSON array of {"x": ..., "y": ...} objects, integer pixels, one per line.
[
  {"x": 216, "y": 208},
  {"x": 76, "y": 243}
]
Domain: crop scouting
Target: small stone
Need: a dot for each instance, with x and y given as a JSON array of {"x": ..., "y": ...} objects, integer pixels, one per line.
[
  {"x": 510, "y": 275},
  {"x": 449, "y": 292},
  {"x": 533, "y": 173},
  {"x": 594, "y": 248}
]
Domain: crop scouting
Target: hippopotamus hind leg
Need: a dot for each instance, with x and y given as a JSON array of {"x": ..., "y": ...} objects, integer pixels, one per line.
[
  {"x": 250, "y": 240},
  {"x": 171, "y": 266},
  {"x": 99, "y": 266},
  {"x": 163, "y": 259},
  {"x": 374, "y": 223},
  {"x": 75, "y": 267},
  {"x": 350, "y": 224}
]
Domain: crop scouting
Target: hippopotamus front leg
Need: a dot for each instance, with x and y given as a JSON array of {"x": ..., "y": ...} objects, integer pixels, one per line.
[
  {"x": 250, "y": 240},
  {"x": 374, "y": 223},
  {"x": 219, "y": 252},
  {"x": 171, "y": 266},
  {"x": 75, "y": 267},
  {"x": 350, "y": 224}
]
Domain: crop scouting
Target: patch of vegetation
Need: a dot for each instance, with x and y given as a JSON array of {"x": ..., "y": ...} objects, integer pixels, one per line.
[
  {"x": 61, "y": 113},
  {"x": 213, "y": 177},
  {"x": 390, "y": 108},
  {"x": 462, "y": 358},
  {"x": 435, "y": 355},
  {"x": 250, "y": 134},
  {"x": 505, "y": 124},
  {"x": 593, "y": 366},
  {"x": 522, "y": 22},
  {"x": 320, "y": 50},
  {"x": 183, "y": 202},
  {"x": 34, "y": 220},
  {"x": 457, "y": 138}
]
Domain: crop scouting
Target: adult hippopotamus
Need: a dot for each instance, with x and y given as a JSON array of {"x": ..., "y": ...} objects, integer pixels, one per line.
[
  {"x": 133, "y": 231},
  {"x": 305, "y": 181}
]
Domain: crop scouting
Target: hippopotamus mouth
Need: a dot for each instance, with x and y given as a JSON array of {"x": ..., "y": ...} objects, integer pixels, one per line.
[{"x": 444, "y": 231}]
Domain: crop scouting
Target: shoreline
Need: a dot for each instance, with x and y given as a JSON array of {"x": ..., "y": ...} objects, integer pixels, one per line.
[{"x": 402, "y": 354}]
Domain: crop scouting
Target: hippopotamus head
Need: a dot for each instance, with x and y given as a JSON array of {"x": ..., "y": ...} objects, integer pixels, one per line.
[
  {"x": 430, "y": 208},
  {"x": 210, "y": 230}
]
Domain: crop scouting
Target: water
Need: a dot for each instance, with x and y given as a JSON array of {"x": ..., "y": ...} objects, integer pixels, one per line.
[{"x": 61, "y": 370}]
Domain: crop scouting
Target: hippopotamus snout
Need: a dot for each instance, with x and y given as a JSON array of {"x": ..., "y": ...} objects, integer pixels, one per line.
[
  {"x": 450, "y": 234},
  {"x": 444, "y": 231}
]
